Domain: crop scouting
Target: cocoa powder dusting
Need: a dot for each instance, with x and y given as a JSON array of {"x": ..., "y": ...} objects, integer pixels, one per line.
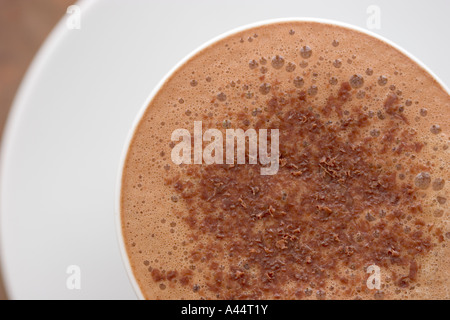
[{"x": 335, "y": 204}]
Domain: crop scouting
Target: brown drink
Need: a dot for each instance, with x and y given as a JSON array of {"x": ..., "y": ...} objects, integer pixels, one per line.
[{"x": 362, "y": 179}]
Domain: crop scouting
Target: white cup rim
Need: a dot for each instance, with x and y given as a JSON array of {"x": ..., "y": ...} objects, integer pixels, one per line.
[{"x": 141, "y": 112}]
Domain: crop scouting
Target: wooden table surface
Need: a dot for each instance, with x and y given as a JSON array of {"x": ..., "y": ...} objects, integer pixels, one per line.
[{"x": 24, "y": 25}]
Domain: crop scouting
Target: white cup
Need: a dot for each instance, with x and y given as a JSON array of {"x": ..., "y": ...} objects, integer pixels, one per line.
[{"x": 182, "y": 62}]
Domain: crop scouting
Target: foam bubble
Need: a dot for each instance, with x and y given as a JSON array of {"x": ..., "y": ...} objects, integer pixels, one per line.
[
  {"x": 306, "y": 52},
  {"x": 382, "y": 80},
  {"x": 337, "y": 63},
  {"x": 278, "y": 62},
  {"x": 423, "y": 180},
  {"x": 438, "y": 184},
  {"x": 441, "y": 200},
  {"x": 435, "y": 129},
  {"x": 264, "y": 88},
  {"x": 253, "y": 64},
  {"x": 312, "y": 91},
  {"x": 290, "y": 67},
  {"x": 303, "y": 64},
  {"x": 222, "y": 97},
  {"x": 423, "y": 112},
  {"x": 299, "y": 82},
  {"x": 333, "y": 81},
  {"x": 356, "y": 81}
]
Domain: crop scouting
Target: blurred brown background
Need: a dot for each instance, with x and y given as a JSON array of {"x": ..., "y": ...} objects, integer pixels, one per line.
[{"x": 24, "y": 25}]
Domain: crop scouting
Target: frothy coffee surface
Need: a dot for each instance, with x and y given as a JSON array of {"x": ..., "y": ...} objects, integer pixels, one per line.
[{"x": 363, "y": 177}]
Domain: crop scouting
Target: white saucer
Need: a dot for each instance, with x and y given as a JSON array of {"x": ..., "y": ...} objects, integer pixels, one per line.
[{"x": 71, "y": 117}]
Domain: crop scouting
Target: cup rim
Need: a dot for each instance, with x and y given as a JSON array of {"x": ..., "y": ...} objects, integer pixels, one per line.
[{"x": 140, "y": 114}]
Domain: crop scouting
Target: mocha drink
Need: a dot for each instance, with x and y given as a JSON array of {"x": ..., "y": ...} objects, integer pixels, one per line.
[{"x": 357, "y": 206}]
